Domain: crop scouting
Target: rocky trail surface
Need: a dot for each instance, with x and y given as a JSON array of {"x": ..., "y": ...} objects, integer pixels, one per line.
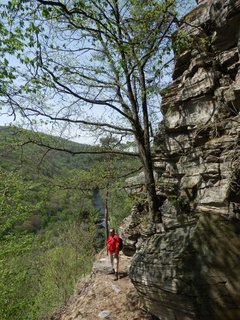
[{"x": 99, "y": 296}]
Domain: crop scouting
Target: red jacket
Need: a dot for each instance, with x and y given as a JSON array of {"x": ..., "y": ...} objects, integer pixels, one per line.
[{"x": 113, "y": 243}]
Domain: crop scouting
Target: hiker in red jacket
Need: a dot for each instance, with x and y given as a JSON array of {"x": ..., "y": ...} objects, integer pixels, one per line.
[{"x": 113, "y": 247}]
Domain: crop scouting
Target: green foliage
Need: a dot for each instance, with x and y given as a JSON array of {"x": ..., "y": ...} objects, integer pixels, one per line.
[
  {"x": 181, "y": 204},
  {"x": 15, "y": 281},
  {"x": 69, "y": 255},
  {"x": 48, "y": 231},
  {"x": 182, "y": 41},
  {"x": 120, "y": 206}
]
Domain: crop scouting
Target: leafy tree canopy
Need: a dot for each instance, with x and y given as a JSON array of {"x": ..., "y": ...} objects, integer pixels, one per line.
[{"x": 95, "y": 65}]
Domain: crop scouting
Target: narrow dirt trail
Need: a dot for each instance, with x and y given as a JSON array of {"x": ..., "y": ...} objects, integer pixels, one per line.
[{"x": 99, "y": 296}]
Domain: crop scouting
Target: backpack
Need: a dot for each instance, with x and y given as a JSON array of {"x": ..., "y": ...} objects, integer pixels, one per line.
[{"x": 120, "y": 244}]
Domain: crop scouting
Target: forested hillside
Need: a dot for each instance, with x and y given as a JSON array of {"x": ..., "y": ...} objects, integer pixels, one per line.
[{"x": 48, "y": 219}]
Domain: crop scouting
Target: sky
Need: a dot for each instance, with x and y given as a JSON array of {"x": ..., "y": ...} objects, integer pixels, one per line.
[{"x": 5, "y": 120}]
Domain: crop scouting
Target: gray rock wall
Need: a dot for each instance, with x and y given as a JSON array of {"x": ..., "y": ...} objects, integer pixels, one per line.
[
  {"x": 190, "y": 271},
  {"x": 199, "y": 151}
]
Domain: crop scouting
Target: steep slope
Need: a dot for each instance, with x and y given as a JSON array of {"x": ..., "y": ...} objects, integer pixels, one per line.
[
  {"x": 24, "y": 150},
  {"x": 98, "y": 296}
]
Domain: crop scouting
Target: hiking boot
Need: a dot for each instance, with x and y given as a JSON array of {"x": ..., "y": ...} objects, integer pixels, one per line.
[
  {"x": 112, "y": 272},
  {"x": 116, "y": 276}
]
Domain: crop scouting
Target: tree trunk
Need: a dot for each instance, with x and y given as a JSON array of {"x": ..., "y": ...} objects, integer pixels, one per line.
[
  {"x": 150, "y": 185},
  {"x": 106, "y": 218}
]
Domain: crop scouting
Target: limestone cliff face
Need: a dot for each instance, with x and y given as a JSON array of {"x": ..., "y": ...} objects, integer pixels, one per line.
[{"x": 190, "y": 271}]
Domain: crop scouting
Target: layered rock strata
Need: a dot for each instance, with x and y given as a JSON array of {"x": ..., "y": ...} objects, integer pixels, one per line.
[{"x": 190, "y": 270}]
